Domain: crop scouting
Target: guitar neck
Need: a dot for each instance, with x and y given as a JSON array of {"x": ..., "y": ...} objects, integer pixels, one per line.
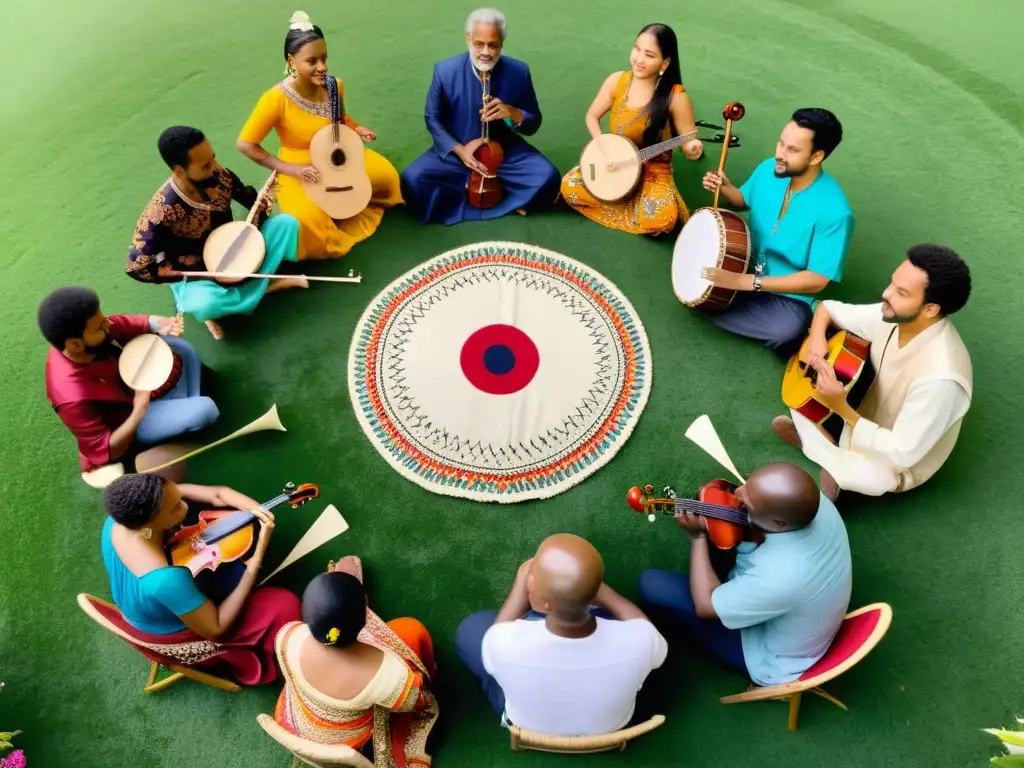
[
  {"x": 666, "y": 146},
  {"x": 716, "y": 511}
]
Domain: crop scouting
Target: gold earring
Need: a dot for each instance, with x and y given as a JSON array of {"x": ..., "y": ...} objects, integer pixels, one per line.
[{"x": 146, "y": 533}]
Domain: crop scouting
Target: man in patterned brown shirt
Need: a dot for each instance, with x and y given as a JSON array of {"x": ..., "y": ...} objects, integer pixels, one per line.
[{"x": 172, "y": 230}]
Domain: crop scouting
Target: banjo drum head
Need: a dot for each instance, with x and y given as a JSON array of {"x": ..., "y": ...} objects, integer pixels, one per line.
[
  {"x": 699, "y": 245},
  {"x": 146, "y": 362},
  {"x": 246, "y": 255},
  {"x": 610, "y": 186}
]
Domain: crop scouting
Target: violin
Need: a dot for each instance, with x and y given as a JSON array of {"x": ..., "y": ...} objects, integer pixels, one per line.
[
  {"x": 723, "y": 514},
  {"x": 223, "y": 536},
  {"x": 484, "y": 190}
]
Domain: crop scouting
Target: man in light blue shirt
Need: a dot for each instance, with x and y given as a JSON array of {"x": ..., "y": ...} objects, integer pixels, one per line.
[
  {"x": 780, "y": 608},
  {"x": 801, "y": 225}
]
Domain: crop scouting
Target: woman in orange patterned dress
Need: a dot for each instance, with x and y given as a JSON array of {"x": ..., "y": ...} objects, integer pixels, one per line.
[
  {"x": 648, "y": 104},
  {"x": 352, "y": 679}
]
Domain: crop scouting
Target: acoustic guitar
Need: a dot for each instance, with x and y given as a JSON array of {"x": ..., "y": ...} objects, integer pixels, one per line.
[
  {"x": 336, "y": 151},
  {"x": 849, "y": 357}
]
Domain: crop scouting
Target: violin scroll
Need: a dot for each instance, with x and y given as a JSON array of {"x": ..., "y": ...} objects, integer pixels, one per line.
[
  {"x": 299, "y": 496},
  {"x": 734, "y": 111},
  {"x": 641, "y": 500}
]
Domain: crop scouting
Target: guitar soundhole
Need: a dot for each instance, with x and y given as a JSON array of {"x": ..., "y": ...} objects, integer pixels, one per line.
[{"x": 338, "y": 157}]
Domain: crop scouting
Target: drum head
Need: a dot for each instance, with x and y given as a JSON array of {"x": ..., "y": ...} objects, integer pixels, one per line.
[
  {"x": 606, "y": 185},
  {"x": 146, "y": 362},
  {"x": 699, "y": 245},
  {"x": 234, "y": 247}
]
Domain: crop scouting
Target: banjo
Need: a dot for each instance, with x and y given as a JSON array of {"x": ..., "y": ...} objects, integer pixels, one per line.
[
  {"x": 238, "y": 247},
  {"x": 336, "y": 151},
  {"x": 612, "y": 165}
]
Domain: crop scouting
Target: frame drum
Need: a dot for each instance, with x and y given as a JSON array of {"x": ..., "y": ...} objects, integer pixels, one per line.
[
  {"x": 234, "y": 247},
  {"x": 713, "y": 237},
  {"x": 146, "y": 363}
]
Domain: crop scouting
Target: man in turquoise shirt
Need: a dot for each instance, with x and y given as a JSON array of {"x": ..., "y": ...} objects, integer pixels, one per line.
[
  {"x": 780, "y": 607},
  {"x": 800, "y": 229}
]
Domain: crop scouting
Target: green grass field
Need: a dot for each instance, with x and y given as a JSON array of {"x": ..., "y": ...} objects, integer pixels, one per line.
[{"x": 932, "y": 106}]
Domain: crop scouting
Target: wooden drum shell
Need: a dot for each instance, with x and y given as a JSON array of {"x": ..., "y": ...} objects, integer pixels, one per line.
[{"x": 733, "y": 255}]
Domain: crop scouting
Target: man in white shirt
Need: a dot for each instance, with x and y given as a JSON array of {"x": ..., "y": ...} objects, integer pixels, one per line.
[
  {"x": 776, "y": 613},
  {"x": 909, "y": 420},
  {"x": 560, "y": 669}
]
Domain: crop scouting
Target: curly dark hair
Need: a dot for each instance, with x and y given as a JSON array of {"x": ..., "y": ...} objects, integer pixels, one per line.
[
  {"x": 949, "y": 277},
  {"x": 134, "y": 500},
  {"x": 65, "y": 312}
]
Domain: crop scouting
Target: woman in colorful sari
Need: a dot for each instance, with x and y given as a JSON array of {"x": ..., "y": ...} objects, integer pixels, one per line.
[
  {"x": 648, "y": 105},
  {"x": 352, "y": 679},
  {"x": 216, "y": 618},
  {"x": 297, "y": 108}
]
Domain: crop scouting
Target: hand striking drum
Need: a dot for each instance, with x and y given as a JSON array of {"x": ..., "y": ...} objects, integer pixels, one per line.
[{"x": 713, "y": 237}]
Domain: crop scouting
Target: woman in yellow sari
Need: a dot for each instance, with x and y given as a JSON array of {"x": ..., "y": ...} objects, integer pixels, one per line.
[
  {"x": 352, "y": 679},
  {"x": 646, "y": 103},
  {"x": 297, "y": 108}
]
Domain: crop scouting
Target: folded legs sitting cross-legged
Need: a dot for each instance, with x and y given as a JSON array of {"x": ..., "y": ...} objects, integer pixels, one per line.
[
  {"x": 84, "y": 387},
  {"x": 573, "y": 664},
  {"x": 778, "y": 610}
]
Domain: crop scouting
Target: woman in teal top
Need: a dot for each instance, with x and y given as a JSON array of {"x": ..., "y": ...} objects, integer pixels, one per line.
[{"x": 165, "y": 601}]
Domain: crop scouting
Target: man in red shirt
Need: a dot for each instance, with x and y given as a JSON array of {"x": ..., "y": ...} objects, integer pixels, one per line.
[{"x": 86, "y": 391}]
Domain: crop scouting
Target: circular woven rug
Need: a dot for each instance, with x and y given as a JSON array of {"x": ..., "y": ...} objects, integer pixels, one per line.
[{"x": 499, "y": 372}]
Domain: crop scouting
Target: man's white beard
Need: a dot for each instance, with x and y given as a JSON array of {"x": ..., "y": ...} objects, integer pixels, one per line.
[{"x": 483, "y": 66}]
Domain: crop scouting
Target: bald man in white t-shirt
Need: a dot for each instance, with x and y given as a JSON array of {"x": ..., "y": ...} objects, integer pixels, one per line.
[{"x": 573, "y": 664}]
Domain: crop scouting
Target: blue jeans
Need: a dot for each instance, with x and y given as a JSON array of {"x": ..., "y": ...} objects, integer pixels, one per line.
[
  {"x": 776, "y": 320},
  {"x": 665, "y": 596},
  {"x": 182, "y": 409},
  {"x": 469, "y": 644}
]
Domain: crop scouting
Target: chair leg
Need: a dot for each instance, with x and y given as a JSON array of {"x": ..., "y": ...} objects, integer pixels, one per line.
[
  {"x": 514, "y": 739},
  {"x": 829, "y": 697},
  {"x": 167, "y": 682},
  {"x": 794, "y": 710},
  {"x": 208, "y": 679},
  {"x": 153, "y": 669}
]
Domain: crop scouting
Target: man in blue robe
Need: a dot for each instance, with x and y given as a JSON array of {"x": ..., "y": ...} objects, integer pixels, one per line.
[{"x": 434, "y": 185}]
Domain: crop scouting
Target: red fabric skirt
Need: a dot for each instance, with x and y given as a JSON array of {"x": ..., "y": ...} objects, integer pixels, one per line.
[{"x": 245, "y": 652}]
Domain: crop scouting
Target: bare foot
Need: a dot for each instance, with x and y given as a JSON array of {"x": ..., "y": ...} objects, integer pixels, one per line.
[
  {"x": 521, "y": 211},
  {"x": 786, "y": 429},
  {"x": 351, "y": 565},
  {"x": 284, "y": 283},
  {"x": 829, "y": 486},
  {"x": 215, "y": 330}
]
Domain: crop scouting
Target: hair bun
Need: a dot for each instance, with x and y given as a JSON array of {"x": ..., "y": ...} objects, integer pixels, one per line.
[{"x": 300, "y": 20}]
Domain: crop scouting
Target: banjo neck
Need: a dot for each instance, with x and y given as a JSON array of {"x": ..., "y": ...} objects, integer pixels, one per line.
[
  {"x": 260, "y": 196},
  {"x": 665, "y": 146}
]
